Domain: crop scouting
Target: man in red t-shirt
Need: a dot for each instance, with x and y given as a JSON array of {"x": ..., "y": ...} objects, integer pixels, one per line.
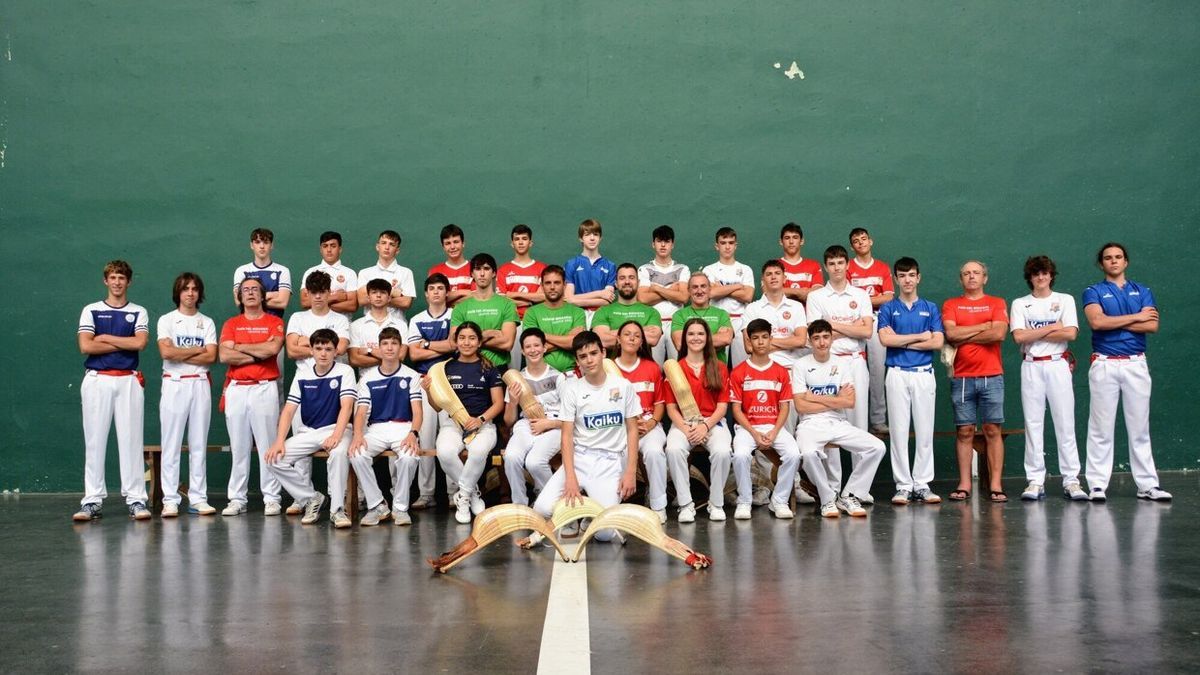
[
  {"x": 520, "y": 280},
  {"x": 456, "y": 267},
  {"x": 800, "y": 275},
  {"x": 249, "y": 343},
  {"x": 875, "y": 277},
  {"x": 976, "y": 324}
]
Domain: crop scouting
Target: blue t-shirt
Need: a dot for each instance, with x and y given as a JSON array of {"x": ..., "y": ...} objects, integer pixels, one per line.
[
  {"x": 473, "y": 384},
  {"x": 1117, "y": 301},
  {"x": 389, "y": 397},
  {"x": 101, "y": 318},
  {"x": 903, "y": 320},
  {"x": 588, "y": 276},
  {"x": 426, "y": 327},
  {"x": 320, "y": 396}
]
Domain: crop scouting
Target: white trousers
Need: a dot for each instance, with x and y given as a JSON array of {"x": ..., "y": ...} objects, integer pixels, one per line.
[
  {"x": 598, "y": 473},
  {"x": 1128, "y": 381},
  {"x": 910, "y": 398},
  {"x": 252, "y": 418},
  {"x": 743, "y": 452},
  {"x": 857, "y": 415},
  {"x": 379, "y": 437},
  {"x": 1049, "y": 383},
  {"x": 876, "y": 355},
  {"x": 427, "y": 435},
  {"x": 185, "y": 403},
  {"x": 459, "y": 475},
  {"x": 720, "y": 455},
  {"x": 652, "y": 448},
  {"x": 109, "y": 399},
  {"x": 526, "y": 451},
  {"x": 665, "y": 349},
  {"x": 812, "y": 437},
  {"x": 299, "y": 483}
]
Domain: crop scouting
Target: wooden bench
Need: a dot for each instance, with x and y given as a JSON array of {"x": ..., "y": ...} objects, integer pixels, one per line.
[{"x": 153, "y": 457}]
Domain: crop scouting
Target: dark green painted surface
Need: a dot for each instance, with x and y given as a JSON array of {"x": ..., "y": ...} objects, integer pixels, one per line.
[{"x": 164, "y": 133}]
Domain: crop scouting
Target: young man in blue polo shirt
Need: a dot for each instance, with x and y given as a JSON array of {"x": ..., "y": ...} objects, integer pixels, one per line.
[
  {"x": 1120, "y": 313},
  {"x": 591, "y": 278},
  {"x": 911, "y": 329}
]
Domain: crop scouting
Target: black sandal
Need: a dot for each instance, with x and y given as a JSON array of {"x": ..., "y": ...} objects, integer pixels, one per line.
[
  {"x": 959, "y": 495},
  {"x": 998, "y": 496}
]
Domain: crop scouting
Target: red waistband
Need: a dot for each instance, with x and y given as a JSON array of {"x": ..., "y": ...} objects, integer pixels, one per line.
[
  {"x": 184, "y": 377},
  {"x": 859, "y": 354},
  {"x": 116, "y": 373},
  {"x": 1043, "y": 358}
]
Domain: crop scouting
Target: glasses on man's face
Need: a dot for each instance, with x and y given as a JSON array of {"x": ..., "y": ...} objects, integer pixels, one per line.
[{"x": 251, "y": 290}]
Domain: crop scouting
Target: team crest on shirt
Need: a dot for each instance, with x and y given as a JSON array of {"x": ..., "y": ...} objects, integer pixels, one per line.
[
  {"x": 833, "y": 371},
  {"x": 341, "y": 278},
  {"x": 614, "y": 395},
  {"x": 1055, "y": 307},
  {"x": 761, "y": 396},
  {"x": 128, "y": 318},
  {"x": 273, "y": 275},
  {"x": 333, "y": 384},
  {"x": 787, "y": 315},
  {"x": 853, "y": 304}
]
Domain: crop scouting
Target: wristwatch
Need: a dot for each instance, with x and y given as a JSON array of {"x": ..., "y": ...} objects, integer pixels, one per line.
[{"x": 424, "y": 344}]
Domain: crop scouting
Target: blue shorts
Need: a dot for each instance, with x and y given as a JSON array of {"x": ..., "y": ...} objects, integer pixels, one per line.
[{"x": 978, "y": 400}]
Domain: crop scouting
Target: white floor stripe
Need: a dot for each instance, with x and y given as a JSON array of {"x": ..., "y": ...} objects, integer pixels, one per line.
[{"x": 566, "y": 642}]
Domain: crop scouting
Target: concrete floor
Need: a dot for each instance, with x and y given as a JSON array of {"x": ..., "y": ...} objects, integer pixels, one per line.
[{"x": 1045, "y": 587}]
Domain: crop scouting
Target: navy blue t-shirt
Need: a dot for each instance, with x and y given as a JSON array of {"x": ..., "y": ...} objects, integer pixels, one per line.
[{"x": 473, "y": 384}]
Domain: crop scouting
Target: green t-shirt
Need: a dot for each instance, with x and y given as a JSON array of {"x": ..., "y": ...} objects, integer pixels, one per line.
[
  {"x": 490, "y": 314},
  {"x": 715, "y": 317},
  {"x": 556, "y": 322},
  {"x": 615, "y": 314}
]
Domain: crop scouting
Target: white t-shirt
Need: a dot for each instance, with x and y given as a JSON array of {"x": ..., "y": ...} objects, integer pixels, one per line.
[
  {"x": 651, "y": 274},
  {"x": 721, "y": 274},
  {"x": 1032, "y": 313},
  {"x": 823, "y": 379},
  {"x": 846, "y": 306},
  {"x": 395, "y": 274},
  {"x": 784, "y": 318},
  {"x": 306, "y": 323},
  {"x": 598, "y": 414},
  {"x": 364, "y": 332},
  {"x": 186, "y": 331},
  {"x": 546, "y": 388},
  {"x": 341, "y": 278}
]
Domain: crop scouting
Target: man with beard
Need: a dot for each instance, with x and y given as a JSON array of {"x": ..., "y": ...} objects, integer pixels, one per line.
[{"x": 610, "y": 318}]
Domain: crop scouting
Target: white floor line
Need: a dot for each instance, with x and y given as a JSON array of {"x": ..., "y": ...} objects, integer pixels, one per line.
[{"x": 566, "y": 642}]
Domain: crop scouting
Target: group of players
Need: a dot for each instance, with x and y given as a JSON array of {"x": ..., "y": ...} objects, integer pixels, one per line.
[{"x": 830, "y": 357}]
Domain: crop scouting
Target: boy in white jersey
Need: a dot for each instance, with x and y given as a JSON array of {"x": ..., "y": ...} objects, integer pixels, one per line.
[
  {"x": 187, "y": 341},
  {"x": 428, "y": 343},
  {"x": 364, "y": 331},
  {"x": 662, "y": 284},
  {"x": 301, "y": 325},
  {"x": 534, "y": 442},
  {"x": 1043, "y": 322},
  {"x": 824, "y": 390},
  {"x": 343, "y": 292},
  {"x": 732, "y": 285},
  {"x": 399, "y": 277},
  {"x": 324, "y": 396},
  {"x": 873, "y": 276},
  {"x": 599, "y": 435},
  {"x": 760, "y": 391},
  {"x": 387, "y": 418},
  {"x": 111, "y": 333}
]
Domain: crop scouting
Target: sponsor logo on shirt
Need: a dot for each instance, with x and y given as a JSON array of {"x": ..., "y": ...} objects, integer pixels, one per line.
[
  {"x": 824, "y": 389},
  {"x": 603, "y": 420}
]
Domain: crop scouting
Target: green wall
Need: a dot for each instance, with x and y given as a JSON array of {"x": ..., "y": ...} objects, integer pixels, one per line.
[{"x": 162, "y": 133}]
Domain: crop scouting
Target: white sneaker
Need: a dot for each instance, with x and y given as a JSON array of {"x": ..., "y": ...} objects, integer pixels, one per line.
[
  {"x": 850, "y": 504},
  {"x": 138, "y": 511},
  {"x": 902, "y": 497},
  {"x": 424, "y": 502},
  {"x": 662, "y": 515},
  {"x": 170, "y": 510},
  {"x": 762, "y": 496},
  {"x": 376, "y": 515},
  {"x": 865, "y": 499},
  {"x": 927, "y": 496},
  {"x": 716, "y": 513},
  {"x": 401, "y": 517},
  {"x": 272, "y": 509},
  {"x": 1098, "y": 495},
  {"x": 339, "y": 519},
  {"x": 781, "y": 511},
  {"x": 234, "y": 509},
  {"x": 201, "y": 509},
  {"x": 462, "y": 507},
  {"x": 1074, "y": 492},
  {"x": 687, "y": 513},
  {"x": 803, "y": 496},
  {"x": 477, "y": 505},
  {"x": 295, "y": 509},
  {"x": 742, "y": 512},
  {"x": 1155, "y": 494},
  {"x": 1033, "y": 492},
  {"x": 312, "y": 509},
  {"x": 829, "y": 510}
]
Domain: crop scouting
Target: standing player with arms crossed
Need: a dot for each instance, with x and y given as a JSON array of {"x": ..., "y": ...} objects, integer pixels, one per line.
[
  {"x": 428, "y": 344},
  {"x": 1043, "y": 322},
  {"x": 976, "y": 324},
  {"x": 824, "y": 391},
  {"x": 599, "y": 436},
  {"x": 399, "y": 277},
  {"x": 187, "y": 341},
  {"x": 534, "y": 442},
  {"x": 249, "y": 344},
  {"x": 801, "y": 276},
  {"x": 520, "y": 280},
  {"x": 324, "y": 395},
  {"x": 387, "y": 416},
  {"x": 761, "y": 393},
  {"x": 276, "y": 281},
  {"x": 873, "y": 276},
  {"x": 732, "y": 287},
  {"x": 559, "y": 321},
  {"x": 364, "y": 332},
  {"x": 494, "y": 314},
  {"x": 911, "y": 329},
  {"x": 1121, "y": 314},
  {"x": 638, "y": 366},
  {"x": 343, "y": 293},
  {"x": 590, "y": 277},
  {"x": 700, "y": 307},
  {"x": 612, "y": 316},
  {"x": 455, "y": 267},
  {"x": 111, "y": 333},
  {"x": 663, "y": 284}
]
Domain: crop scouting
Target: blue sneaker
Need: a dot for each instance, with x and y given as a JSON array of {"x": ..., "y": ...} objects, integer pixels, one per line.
[{"x": 86, "y": 513}]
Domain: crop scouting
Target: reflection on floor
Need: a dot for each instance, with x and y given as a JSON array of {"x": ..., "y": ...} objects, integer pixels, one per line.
[{"x": 1050, "y": 586}]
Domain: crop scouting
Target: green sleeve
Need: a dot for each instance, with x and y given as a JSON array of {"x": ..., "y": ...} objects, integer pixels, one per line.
[
  {"x": 654, "y": 317},
  {"x": 725, "y": 321},
  {"x": 509, "y": 314},
  {"x": 531, "y": 316},
  {"x": 600, "y": 318},
  {"x": 458, "y": 315},
  {"x": 677, "y": 320},
  {"x": 578, "y": 318}
]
